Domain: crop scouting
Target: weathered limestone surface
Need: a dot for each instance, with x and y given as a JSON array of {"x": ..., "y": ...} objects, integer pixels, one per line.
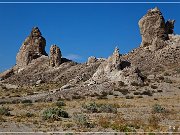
[
  {"x": 55, "y": 56},
  {"x": 153, "y": 29},
  {"x": 115, "y": 69},
  {"x": 32, "y": 48}
]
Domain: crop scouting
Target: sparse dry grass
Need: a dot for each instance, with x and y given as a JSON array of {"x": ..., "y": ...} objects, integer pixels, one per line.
[{"x": 129, "y": 116}]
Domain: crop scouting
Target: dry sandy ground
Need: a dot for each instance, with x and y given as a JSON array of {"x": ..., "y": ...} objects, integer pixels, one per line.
[{"x": 137, "y": 112}]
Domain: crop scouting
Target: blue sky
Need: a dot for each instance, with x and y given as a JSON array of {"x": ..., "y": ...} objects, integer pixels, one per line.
[{"x": 80, "y": 30}]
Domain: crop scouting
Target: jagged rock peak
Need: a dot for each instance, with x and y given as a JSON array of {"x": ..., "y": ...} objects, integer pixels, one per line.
[
  {"x": 32, "y": 48},
  {"x": 91, "y": 60},
  {"x": 55, "y": 56},
  {"x": 116, "y": 53},
  {"x": 154, "y": 11},
  {"x": 35, "y": 32},
  {"x": 153, "y": 29},
  {"x": 115, "y": 59}
]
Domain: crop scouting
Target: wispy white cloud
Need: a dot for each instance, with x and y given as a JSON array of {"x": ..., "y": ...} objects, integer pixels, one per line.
[{"x": 73, "y": 57}]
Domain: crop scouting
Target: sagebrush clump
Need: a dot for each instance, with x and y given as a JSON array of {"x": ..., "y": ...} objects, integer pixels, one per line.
[
  {"x": 99, "y": 108},
  {"x": 54, "y": 114}
]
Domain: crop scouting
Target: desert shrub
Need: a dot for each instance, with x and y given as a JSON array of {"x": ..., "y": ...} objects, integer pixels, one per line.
[
  {"x": 166, "y": 74},
  {"x": 99, "y": 108},
  {"x": 134, "y": 84},
  {"x": 107, "y": 108},
  {"x": 147, "y": 92},
  {"x": 127, "y": 128},
  {"x": 4, "y": 102},
  {"x": 82, "y": 120},
  {"x": 103, "y": 95},
  {"x": 129, "y": 97},
  {"x": 94, "y": 94},
  {"x": 167, "y": 80},
  {"x": 91, "y": 107},
  {"x": 137, "y": 93},
  {"x": 28, "y": 114},
  {"x": 158, "y": 109},
  {"x": 26, "y": 101},
  {"x": 161, "y": 78},
  {"x": 154, "y": 87},
  {"x": 16, "y": 101},
  {"x": 123, "y": 91},
  {"x": 60, "y": 103},
  {"x": 54, "y": 114},
  {"x": 120, "y": 83},
  {"x": 4, "y": 111},
  {"x": 122, "y": 127},
  {"x": 159, "y": 91},
  {"x": 178, "y": 70},
  {"x": 140, "y": 96},
  {"x": 77, "y": 96}
]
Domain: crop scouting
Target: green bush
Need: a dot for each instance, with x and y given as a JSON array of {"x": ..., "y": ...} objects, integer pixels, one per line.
[
  {"x": 107, "y": 108},
  {"x": 122, "y": 128},
  {"x": 26, "y": 101},
  {"x": 29, "y": 114},
  {"x": 99, "y": 108},
  {"x": 158, "y": 109},
  {"x": 91, "y": 107},
  {"x": 4, "y": 111},
  {"x": 60, "y": 103},
  {"x": 154, "y": 87},
  {"x": 54, "y": 114},
  {"x": 123, "y": 91},
  {"x": 82, "y": 121}
]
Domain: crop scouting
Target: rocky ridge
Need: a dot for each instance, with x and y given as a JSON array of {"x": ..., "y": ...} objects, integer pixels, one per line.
[{"x": 158, "y": 53}]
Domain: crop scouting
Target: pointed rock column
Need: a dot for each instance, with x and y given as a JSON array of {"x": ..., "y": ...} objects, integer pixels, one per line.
[
  {"x": 114, "y": 61},
  {"x": 55, "y": 56},
  {"x": 152, "y": 29},
  {"x": 32, "y": 48}
]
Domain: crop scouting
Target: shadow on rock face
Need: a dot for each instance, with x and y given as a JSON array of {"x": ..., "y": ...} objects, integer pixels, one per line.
[
  {"x": 124, "y": 64},
  {"x": 65, "y": 60}
]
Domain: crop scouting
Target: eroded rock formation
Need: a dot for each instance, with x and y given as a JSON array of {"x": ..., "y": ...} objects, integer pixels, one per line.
[
  {"x": 152, "y": 29},
  {"x": 55, "y": 56},
  {"x": 32, "y": 48},
  {"x": 115, "y": 69},
  {"x": 91, "y": 60}
]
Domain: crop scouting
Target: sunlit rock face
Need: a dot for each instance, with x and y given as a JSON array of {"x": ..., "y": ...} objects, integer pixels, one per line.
[
  {"x": 32, "y": 48},
  {"x": 153, "y": 29},
  {"x": 55, "y": 56}
]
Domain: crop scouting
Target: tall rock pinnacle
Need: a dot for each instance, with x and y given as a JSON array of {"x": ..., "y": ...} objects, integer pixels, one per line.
[
  {"x": 32, "y": 48},
  {"x": 115, "y": 60},
  {"x": 152, "y": 28},
  {"x": 55, "y": 56}
]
